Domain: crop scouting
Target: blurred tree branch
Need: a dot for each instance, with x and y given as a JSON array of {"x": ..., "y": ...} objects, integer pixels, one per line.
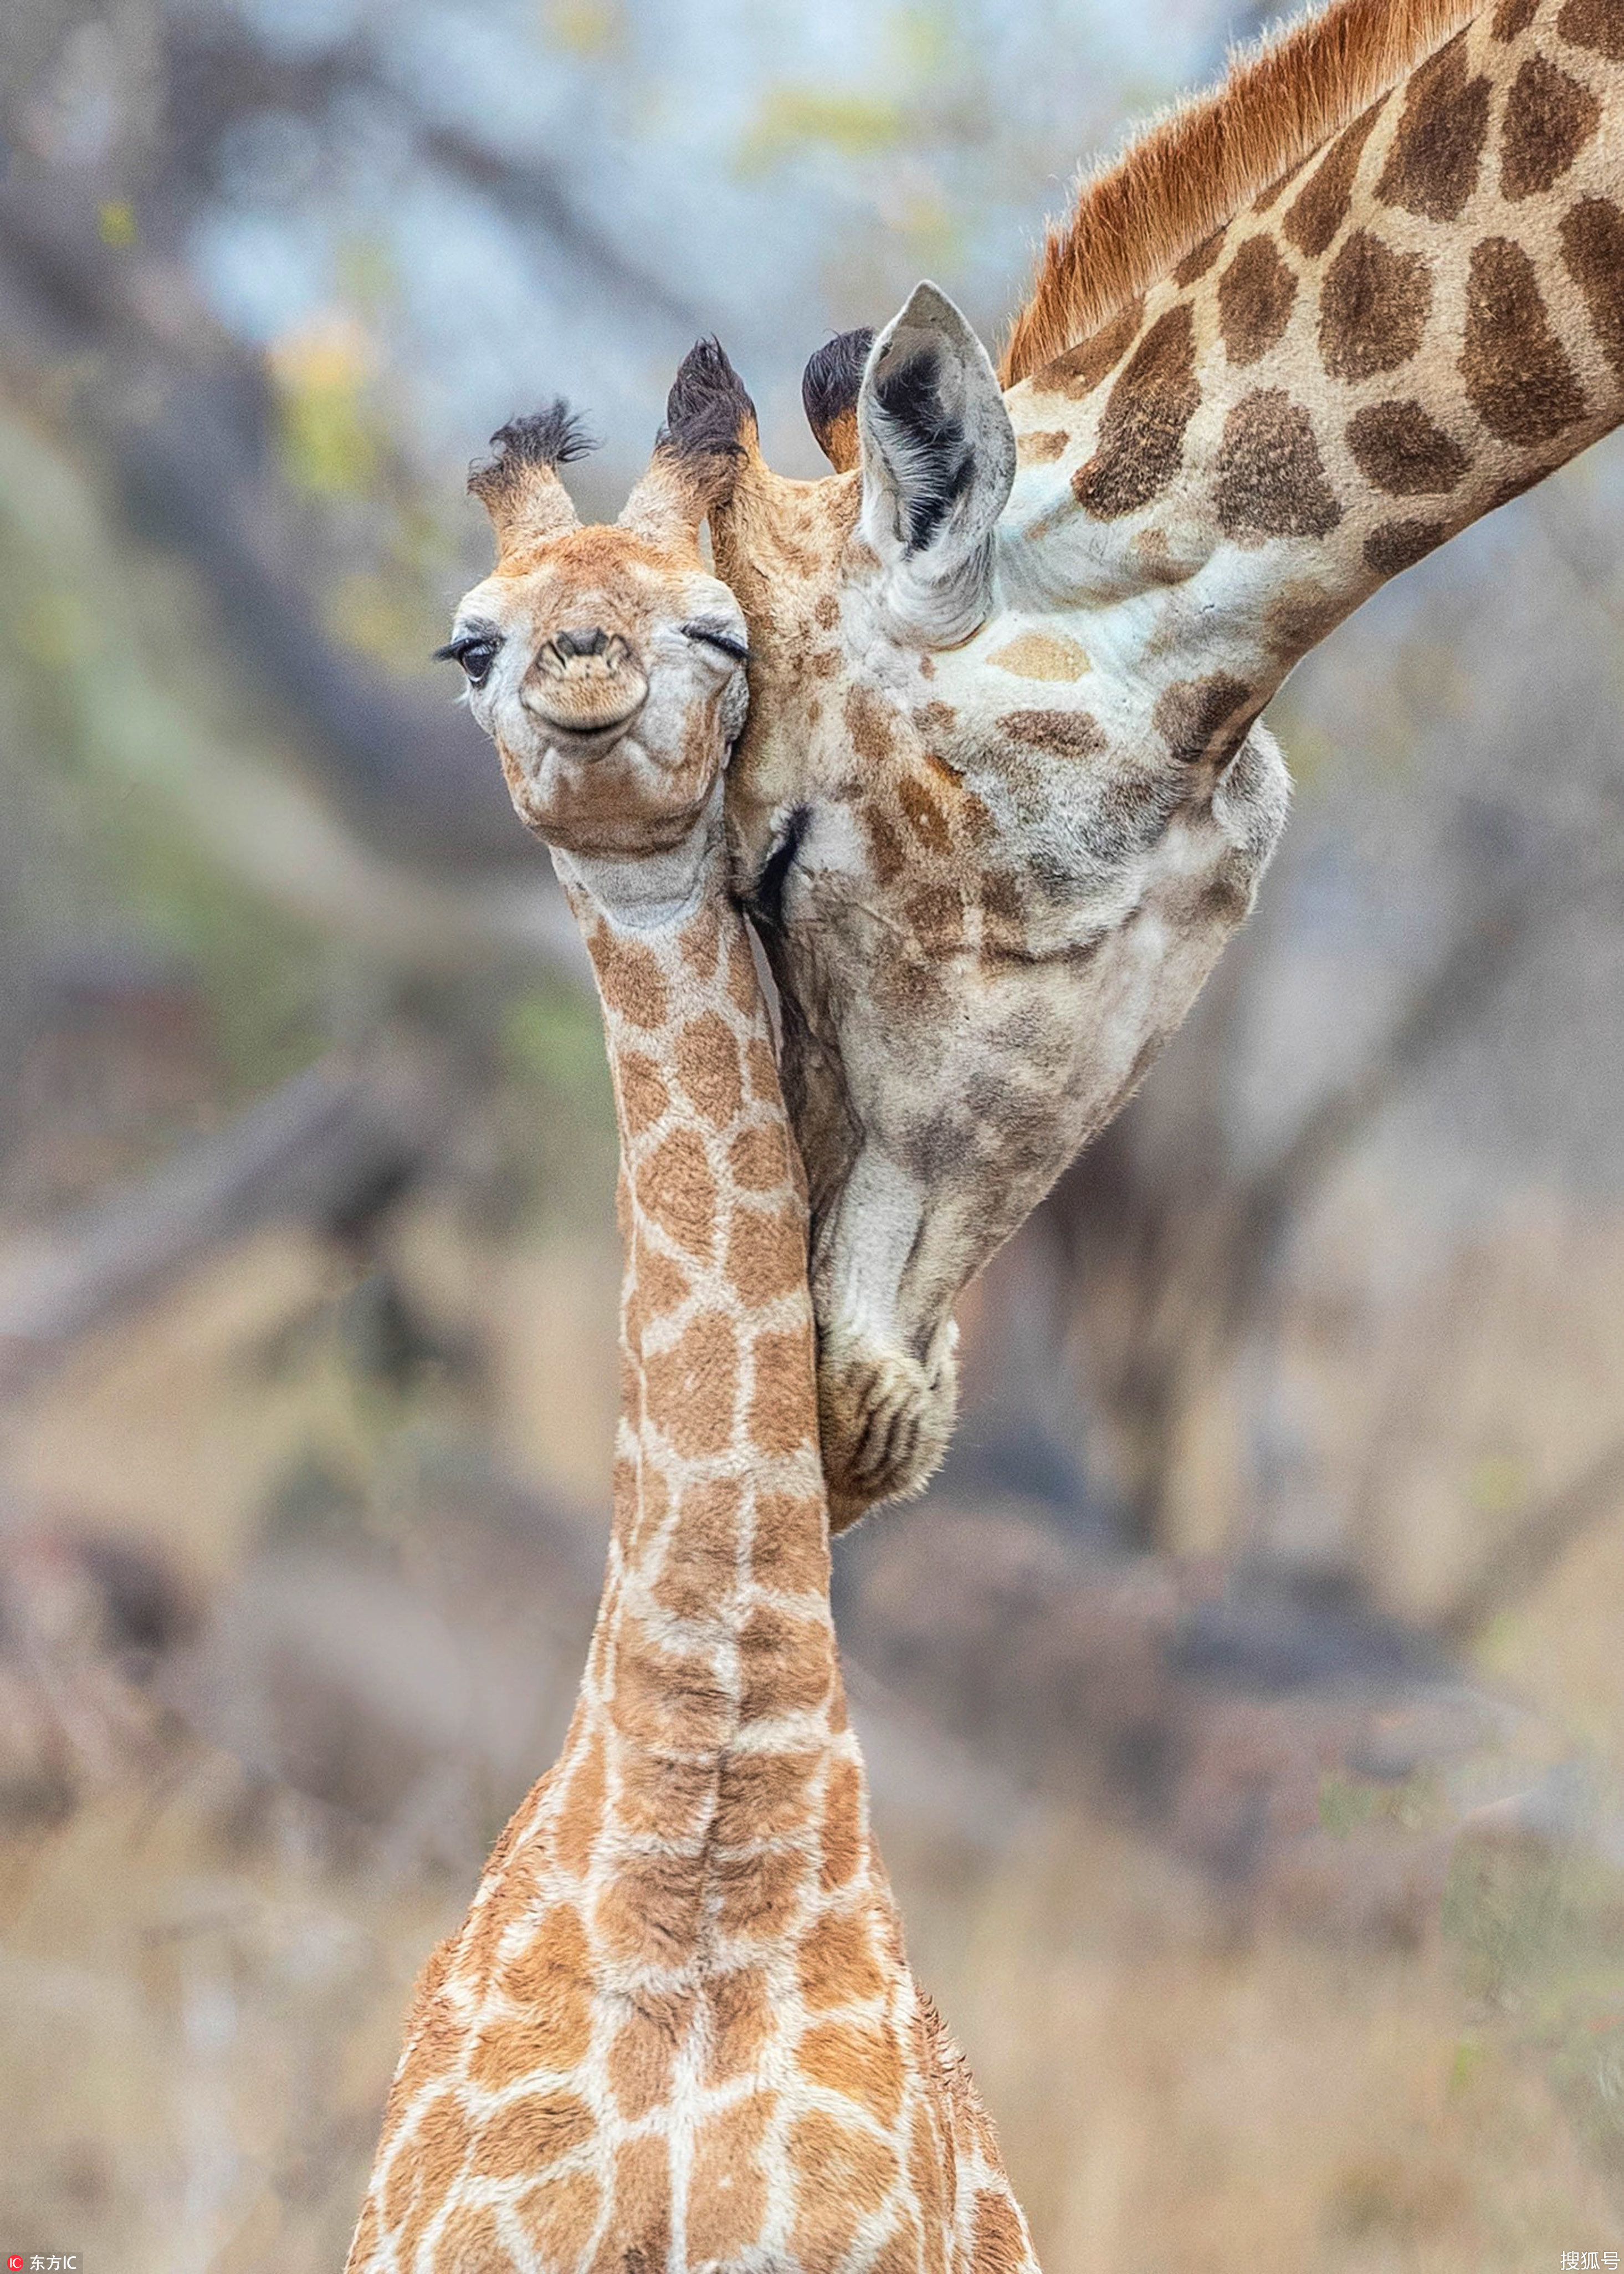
[{"x": 328, "y": 1149}]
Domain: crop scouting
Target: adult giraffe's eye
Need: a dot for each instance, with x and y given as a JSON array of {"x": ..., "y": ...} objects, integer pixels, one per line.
[{"x": 476, "y": 653}]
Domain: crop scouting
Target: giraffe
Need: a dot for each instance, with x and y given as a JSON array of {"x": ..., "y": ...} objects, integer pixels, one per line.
[
  {"x": 1003, "y": 794},
  {"x": 677, "y": 2028}
]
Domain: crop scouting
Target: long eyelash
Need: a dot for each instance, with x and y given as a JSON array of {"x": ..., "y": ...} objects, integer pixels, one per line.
[{"x": 714, "y": 637}]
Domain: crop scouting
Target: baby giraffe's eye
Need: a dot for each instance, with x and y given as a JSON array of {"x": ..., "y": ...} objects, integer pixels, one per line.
[
  {"x": 476, "y": 651},
  {"x": 715, "y": 631}
]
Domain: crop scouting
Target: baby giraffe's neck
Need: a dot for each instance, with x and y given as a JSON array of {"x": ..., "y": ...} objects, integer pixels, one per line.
[
  {"x": 711, "y": 1709},
  {"x": 677, "y": 2030}
]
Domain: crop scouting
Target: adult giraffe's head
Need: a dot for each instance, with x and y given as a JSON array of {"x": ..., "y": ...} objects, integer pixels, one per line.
[
  {"x": 991, "y": 865},
  {"x": 607, "y": 664}
]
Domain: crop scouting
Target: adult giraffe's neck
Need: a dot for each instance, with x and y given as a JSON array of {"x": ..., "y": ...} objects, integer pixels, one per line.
[
  {"x": 1424, "y": 319},
  {"x": 713, "y": 1685}
]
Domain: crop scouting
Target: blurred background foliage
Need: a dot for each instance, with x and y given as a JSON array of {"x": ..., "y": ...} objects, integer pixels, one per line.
[{"x": 1244, "y": 1706}]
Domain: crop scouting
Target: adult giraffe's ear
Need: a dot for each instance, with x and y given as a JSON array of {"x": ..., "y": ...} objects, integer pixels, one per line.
[
  {"x": 519, "y": 488},
  {"x": 938, "y": 460}
]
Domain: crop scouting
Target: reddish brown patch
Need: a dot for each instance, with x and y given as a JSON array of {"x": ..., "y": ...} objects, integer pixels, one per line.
[
  {"x": 1518, "y": 379},
  {"x": 1299, "y": 616},
  {"x": 843, "y": 2176},
  {"x": 1190, "y": 713},
  {"x": 693, "y": 1387},
  {"x": 1142, "y": 428},
  {"x": 761, "y": 1893},
  {"x": 527, "y": 2134},
  {"x": 935, "y": 913},
  {"x": 1373, "y": 307},
  {"x": 1041, "y": 448},
  {"x": 547, "y": 1981},
  {"x": 470, "y": 2242},
  {"x": 643, "y": 1093},
  {"x": 643, "y": 2053},
  {"x": 1549, "y": 118},
  {"x": 783, "y": 1409},
  {"x": 925, "y": 816},
  {"x": 427, "y": 2161},
  {"x": 762, "y": 1796},
  {"x": 655, "y": 1796},
  {"x": 766, "y": 1254},
  {"x": 885, "y": 856},
  {"x": 762, "y": 1069},
  {"x": 649, "y": 1914},
  {"x": 637, "y": 2239},
  {"x": 675, "y": 1186},
  {"x": 741, "y": 2021},
  {"x": 837, "y": 1964},
  {"x": 1513, "y": 18},
  {"x": 727, "y": 2183},
  {"x": 559, "y": 2217},
  {"x": 1592, "y": 237},
  {"x": 1320, "y": 207},
  {"x": 899, "y": 2253},
  {"x": 785, "y": 1662},
  {"x": 858, "y": 2060},
  {"x": 1398, "y": 545},
  {"x": 1196, "y": 262},
  {"x": 1255, "y": 296},
  {"x": 701, "y": 1568},
  {"x": 1079, "y": 370},
  {"x": 1594, "y": 25},
  {"x": 1399, "y": 449},
  {"x": 666, "y": 1698},
  {"x": 843, "y": 1832},
  {"x": 630, "y": 979},
  {"x": 1271, "y": 477},
  {"x": 869, "y": 724},
  {"x": 1063, "y": 734},
  {"x": 1000, "y": 2244},
  {"x": 661, "y": 1284},
  {"x": 789, "y": 1555},
  {"x": 758, "y": 1159},
  {"x": 1431, "y": 166},
  {"x": 702, "y": 945},
  {"x": 709, "y": 1070}
]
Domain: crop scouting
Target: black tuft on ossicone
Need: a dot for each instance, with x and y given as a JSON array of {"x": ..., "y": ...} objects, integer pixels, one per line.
[
  {"x": 553, "y": 437},
  {"x": 830, "y": 387},
  {"x": 708, "y": 408}
]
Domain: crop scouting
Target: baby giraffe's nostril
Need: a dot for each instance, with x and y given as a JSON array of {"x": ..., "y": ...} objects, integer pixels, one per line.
[{"x": 591, "y": 640}]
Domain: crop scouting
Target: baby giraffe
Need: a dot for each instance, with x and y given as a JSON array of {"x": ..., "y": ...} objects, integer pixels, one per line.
[{"x": 676, "y": 2029}]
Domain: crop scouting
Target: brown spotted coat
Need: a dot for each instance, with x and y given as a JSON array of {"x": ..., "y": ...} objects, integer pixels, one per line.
[
  {"x": 1011, "y": 863},
  {"x": 676, "y": 2029}
]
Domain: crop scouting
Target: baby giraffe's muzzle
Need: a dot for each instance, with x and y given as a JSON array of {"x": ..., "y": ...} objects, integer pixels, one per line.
[{"x": 585, "y": 680}]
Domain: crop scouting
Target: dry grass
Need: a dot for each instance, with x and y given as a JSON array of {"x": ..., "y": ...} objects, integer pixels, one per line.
[{"x": 203, "y": 1971}]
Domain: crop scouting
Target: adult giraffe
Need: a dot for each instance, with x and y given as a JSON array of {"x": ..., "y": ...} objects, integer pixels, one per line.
[
  {"x": 1002, "y": 796},
  {"x": 677, "y": 2030}
]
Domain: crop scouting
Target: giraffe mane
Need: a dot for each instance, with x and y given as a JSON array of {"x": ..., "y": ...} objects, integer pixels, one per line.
[{"x": 1199, "y": 162}]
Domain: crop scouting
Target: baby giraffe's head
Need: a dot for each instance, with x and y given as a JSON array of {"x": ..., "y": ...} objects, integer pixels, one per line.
[{"x": 607, "y": 664}]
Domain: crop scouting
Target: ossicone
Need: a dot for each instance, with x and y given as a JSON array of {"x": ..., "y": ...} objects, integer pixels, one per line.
[
  {"x": 519, "y": 487},
  {"x": 830, "y": 387},
  {"x": 709, "y": 413}
]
